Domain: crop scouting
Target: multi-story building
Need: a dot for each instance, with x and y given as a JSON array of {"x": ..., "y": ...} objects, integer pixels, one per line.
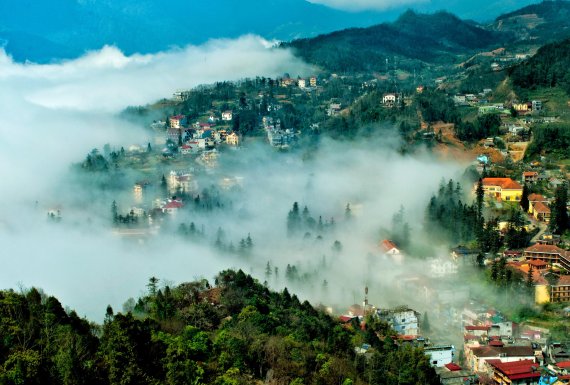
[
  {"x": 403, "y": 320},
  {"x": 504, "y": 189},
  {"x": 551, "y": 254}
]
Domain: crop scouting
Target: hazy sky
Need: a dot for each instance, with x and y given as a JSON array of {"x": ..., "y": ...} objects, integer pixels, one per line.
[{"x": 483, "y": 10}]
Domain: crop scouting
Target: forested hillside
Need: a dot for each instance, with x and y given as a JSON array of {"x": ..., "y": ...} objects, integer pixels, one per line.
[
  {"x": 413, "y": 37},
  {"x": 238, "y": 332},
  {"x": 548, "y": 68}
]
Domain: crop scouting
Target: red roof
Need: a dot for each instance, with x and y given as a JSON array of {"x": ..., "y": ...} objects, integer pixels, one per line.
[
  {"x": 485, "y": 328},
  {"x": 388, "y": 245},
  {"x": 563, "y": 364},
  {"x": 517, "y": 370},
  {"x": 453, "y": 367},
  {"x": 541, "y": 208},
  {"x": 173, "y": 205},
  {"x": 178, "y": 117},
  {"x": 346, "y": 318},
  {"x": 536, "y": 198},
  {"x": 504, "y": 183},
  {"x": 496, "y": 343}
]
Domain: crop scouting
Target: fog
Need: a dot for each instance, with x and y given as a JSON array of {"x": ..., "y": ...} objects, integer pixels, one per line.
[
  {"x": 359, "y": 5},
  {"x": 51, "y": 116}
]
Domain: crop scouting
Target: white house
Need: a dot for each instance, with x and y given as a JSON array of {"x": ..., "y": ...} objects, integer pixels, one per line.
[
  {"x": 403, "y": 320},
  {"x": 227, "y": 116},
  {"x": 440, "y": 355}
]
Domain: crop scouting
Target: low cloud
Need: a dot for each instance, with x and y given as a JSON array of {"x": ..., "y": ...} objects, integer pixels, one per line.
[{"x": 366, "y": 5}]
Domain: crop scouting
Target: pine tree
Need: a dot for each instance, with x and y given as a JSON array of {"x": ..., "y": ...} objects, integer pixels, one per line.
[
  {"x": 524, "y": 199},
  {"x": 115, "y": 212},
  {"x": 559, "y": 220},
  {"x": 347, "y": 212}
]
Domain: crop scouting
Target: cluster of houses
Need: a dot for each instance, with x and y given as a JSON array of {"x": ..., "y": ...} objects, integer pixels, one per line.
[
  {"x": 502, "y": 352},
  {"x": 179, "y": 136},
  {"x": 276, "y": 135}
]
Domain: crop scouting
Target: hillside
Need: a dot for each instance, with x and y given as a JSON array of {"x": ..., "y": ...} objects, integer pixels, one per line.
[
  {"x": 548, "y": 68},
  {"x": 414, "y": 39},
  {"x": 237, "y": 332},
  {"x": 538, "y": 23}
]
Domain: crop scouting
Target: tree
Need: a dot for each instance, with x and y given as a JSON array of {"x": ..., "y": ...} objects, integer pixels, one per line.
[
  {"x": 559, "y": 220},
  {"x": 524, "y": 199},
  {"x": 152, "y": 285},
  {"x": 347, "y": 212},
  {"x": 114, "y": 212}
]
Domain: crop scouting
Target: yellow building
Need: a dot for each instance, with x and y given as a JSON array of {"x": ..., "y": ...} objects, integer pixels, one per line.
[
  {"x": 504, "y": 189},
  {"x": 232, "y": 139}
]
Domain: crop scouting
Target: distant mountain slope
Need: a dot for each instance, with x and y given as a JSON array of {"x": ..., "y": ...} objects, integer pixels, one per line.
[
  {"x": 33, "y": 31},
  {"x": 429, "y": 38},
  {"x": 539, "y": 23},
  {"x": 548, "y": 68}
]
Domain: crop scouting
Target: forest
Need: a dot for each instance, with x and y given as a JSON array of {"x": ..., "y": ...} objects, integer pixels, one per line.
[{"x": 235, "y": 332}]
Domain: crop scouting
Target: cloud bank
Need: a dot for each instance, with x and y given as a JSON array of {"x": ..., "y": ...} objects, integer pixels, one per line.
[{"x": 365, "y": 5}]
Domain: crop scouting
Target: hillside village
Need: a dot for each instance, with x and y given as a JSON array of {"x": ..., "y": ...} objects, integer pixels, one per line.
[{"x": 514, "y": 143}]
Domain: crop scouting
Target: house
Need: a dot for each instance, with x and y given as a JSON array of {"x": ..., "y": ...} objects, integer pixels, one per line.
[
  {"x": 181, "y": 182},
  {"x": 313, "y": 81},
  {"x": 390, "y": 99},
  {"x": 477, "y": 356},
  {"x": 477, "y": 330},
  {"x": 403, "y": 320},
  {"x": 334, "y": 109},
  {"x": 440, "y": 355},
  {"x": 522, "y": 107},
  {"x": 550, "y": 254},
  {"x": 177, "y": 121},
  {"x": 302, "y": 83},
  {"x": 172, "y": 206},
  {"x": 540, "y": 212},
  {"x": 453, "y": 374},
  {"x": 232, "y": 139},
  {"x": 186, "y": 149},
  {"x": 504, "y": 189},
  {"x": 389, "y": 247},
  {"x": 530, "y": 177},
  {"x": 442, "y": 267},
  {"x": 536, "y": 105},
  {"x": 227, "y": 116},
  {"x": 524, "y": 372}
]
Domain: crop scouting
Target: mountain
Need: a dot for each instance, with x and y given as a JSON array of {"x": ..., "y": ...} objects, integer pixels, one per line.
[
  {"x": 47, "y": 30},
  {"x": 428, "y": 38},
  {"x": 148, "y": 26},
  {"x": 537, "y": 24}
]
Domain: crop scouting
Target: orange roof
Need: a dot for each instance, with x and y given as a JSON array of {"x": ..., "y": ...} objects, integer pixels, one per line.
[
  {"x": 530, "y": 173},
  {"x": 546, "y": 249},
  {"x": 504, "y": 183},
  {"x": 541, "y": 208},
  {"x": 388, "y": 245},
  {"x": 536, "y": 198}
]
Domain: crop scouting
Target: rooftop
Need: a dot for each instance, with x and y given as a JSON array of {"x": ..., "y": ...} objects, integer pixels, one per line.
[{"x": 504, "y": 183}]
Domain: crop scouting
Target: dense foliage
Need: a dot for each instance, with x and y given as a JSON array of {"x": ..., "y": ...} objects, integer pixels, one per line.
[
  {"x": 552, "y": 138},
  {"x": 413, "y": 37},
  {"x": 548, "y": 68},
  {"x": 238, "y": 332}
]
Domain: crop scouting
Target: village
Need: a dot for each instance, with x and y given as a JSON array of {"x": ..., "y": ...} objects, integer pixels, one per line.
[{"x": 468, "y": 340}]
